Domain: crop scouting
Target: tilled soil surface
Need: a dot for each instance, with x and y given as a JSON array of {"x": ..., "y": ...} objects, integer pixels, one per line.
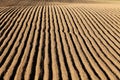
[{"x": 60, "y": 42}]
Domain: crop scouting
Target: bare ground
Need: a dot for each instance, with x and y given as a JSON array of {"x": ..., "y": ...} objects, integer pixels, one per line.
[{"x": 77, "y": 41}]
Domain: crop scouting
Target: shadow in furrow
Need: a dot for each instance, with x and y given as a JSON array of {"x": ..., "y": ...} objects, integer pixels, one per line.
[
  {"x": 43, "y": 47},
  {"x": 10, "y": 62},
  {"x": 73, "y": 62},
  {"x": 104, "y": 45},
  {"x": 15, "y": 17},
  {"x": 63, "y": 52},
  {"x": 13, "y": 43},
  {"x": 32, "y": 75},
  {"x": 9, "y": 20},
  {"x": 57, "y": 56},
  {"x": 2, "y": 41},
  {"x": 87, "y": 48},
  {"x": 20, "y": 57},
  {"x": 10, "y": 15},
  {"x": 49, "y": 48}
]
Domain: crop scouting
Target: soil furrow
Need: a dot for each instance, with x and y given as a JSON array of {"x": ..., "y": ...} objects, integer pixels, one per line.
[
  {"x": 21, "y": 49},
  {"x": 54, "y": 40},
  {"x": 13, "y": 18},
  {"x": 11, "y": 49},
  {"x": 108, "y": 43},
  {"x": 60, "y": 49},
  {"x": 106, "y": 59},
  {"x": 100, "y": 39},
  {"x": 62, "y": 39},
  {"x": 10, "y": 30},
  {"x": 111, "y": 43},
  {"x": 70, "y": 44}
]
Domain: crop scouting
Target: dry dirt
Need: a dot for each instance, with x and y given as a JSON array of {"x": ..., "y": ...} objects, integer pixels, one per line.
[{"x": 59, "y": 40}]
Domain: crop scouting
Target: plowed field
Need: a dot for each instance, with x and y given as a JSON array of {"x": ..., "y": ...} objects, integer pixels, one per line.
[{"x": 60, "y": 42}]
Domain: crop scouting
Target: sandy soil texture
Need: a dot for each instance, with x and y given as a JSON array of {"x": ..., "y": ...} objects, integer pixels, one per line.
[{"x": 60, "y": 41}]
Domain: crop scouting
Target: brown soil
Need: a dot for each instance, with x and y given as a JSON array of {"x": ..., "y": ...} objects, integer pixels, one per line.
[{"x": 54, "y": 40}]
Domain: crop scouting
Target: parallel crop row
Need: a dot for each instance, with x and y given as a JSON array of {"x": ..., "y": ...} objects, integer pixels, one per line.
[{"x": 59, "y": 42}]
